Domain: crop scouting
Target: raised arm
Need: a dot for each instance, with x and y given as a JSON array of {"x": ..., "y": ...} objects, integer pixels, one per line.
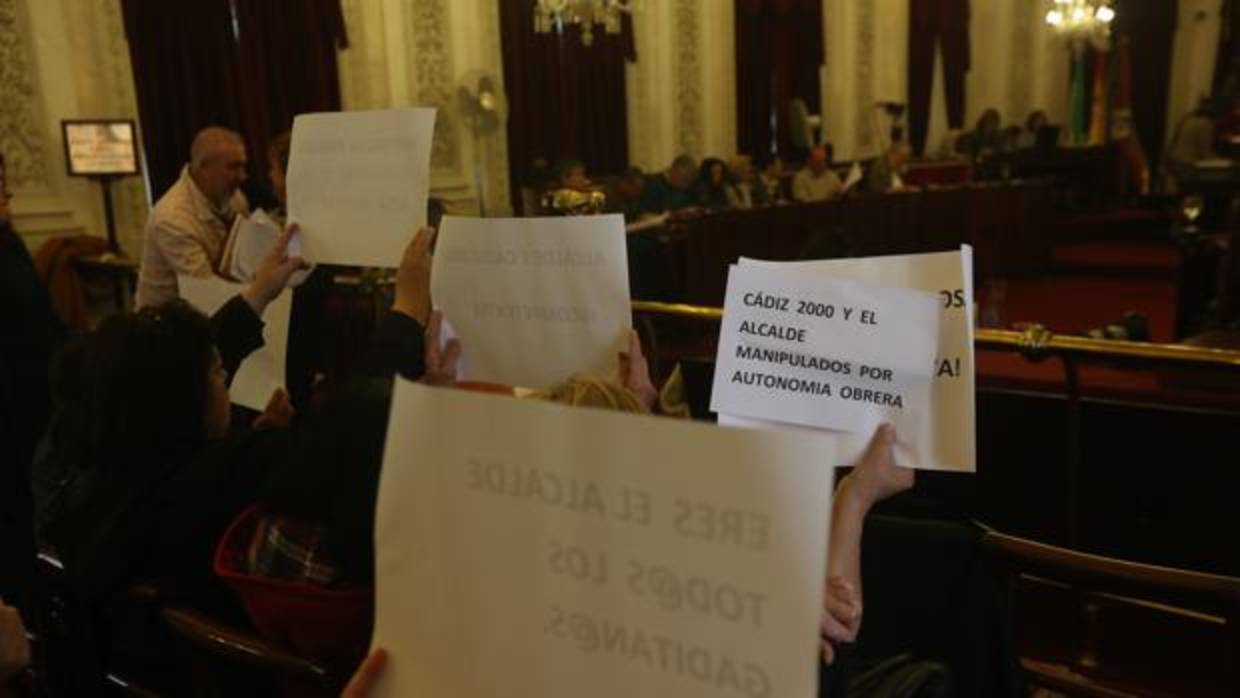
[{"x": 875, "y": 478}]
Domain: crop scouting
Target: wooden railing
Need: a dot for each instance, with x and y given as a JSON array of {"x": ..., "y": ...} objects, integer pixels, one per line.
[{"x": 1036, "y": 343}]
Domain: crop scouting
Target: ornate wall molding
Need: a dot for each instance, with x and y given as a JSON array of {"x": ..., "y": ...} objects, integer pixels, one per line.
[
  {"x": 364, "y": 78},
  {"x": 130, "y": 196},
  {"x": 688, "y": 77},
  {"x": 21, "y": 137},
  {"x": 430, "y": 61},
  {"x": 498, "y": 196},
  {"x": 1020, "y": 80},
  {"x": 865, "y": 77}
]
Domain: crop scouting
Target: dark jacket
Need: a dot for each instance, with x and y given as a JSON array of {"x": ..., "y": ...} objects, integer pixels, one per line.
[
  {"x": 163, "y": 523},
  {"x": 31, "y": 336}
]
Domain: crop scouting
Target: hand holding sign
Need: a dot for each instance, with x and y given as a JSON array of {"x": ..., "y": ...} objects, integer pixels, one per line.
[{"x": 565, "y": 556}]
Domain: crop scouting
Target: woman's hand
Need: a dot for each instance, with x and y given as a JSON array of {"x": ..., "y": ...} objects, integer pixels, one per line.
[
  {"x": 278, "y": 413},
  {"x": 413, "y": 278},
  {"x": 841, "y": 615},
  {"x": 440, "y": 363},
  {"x": 273, "y": 273},
  {"x": 14, "y": 647},
  {"x": 364, "y": 679},
  {"x": 876, "y": 476},
  {"x": 635, "y": 373}
]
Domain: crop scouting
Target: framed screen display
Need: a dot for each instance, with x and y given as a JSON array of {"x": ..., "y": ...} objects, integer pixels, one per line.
[{"x": 100, "y": 147}]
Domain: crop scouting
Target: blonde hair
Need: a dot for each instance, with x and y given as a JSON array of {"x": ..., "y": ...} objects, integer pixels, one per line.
[{"x": 589, "y": 391}]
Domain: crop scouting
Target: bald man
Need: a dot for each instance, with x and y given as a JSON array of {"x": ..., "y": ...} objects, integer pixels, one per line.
[
  {"x": 186, "y": 231},
  {"x": 816, "y": 181}
]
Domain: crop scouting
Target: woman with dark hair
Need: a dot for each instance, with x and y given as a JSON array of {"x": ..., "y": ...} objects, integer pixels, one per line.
[
  {"x": 711, "y": 190},
  {"x": 144, "y": 472},
  {"x": 986, "y": 139}
]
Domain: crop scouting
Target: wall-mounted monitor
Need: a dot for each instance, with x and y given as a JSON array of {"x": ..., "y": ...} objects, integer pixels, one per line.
[{"x": 99, "y": 147}]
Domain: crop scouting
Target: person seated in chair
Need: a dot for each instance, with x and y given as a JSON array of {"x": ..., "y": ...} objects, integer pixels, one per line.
[
  {"x": 817, "y": 181},
  {"x": 143, "y": 473}
]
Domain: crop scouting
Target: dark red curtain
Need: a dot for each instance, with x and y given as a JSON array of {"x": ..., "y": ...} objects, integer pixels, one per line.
[
  {"x": 249, "y": 65},
  {"x": 564, "y": 99},
  {"x": 1150, "y": 27},
  {"x": 779, "y": 49},
  {"x": 186, "y": 76},
  {"x": 1227, "y": 60},
  {"x": 287, "y": 52},
  {"x": 942, "y": 24}
]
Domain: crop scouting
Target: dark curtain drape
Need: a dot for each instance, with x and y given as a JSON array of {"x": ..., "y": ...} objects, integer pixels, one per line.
[
  {"x": 186, "y": 76},
  {"x": 564, "y": 99},
  {"x": 287, "y": 51},
  {"x": 1227, "y": 62},
  {"x": 779, "y": 49},
  {"x": 193, "y": 67},
  {"x": 934, "y": 24},
  {"x": 1150, "y": 29}
]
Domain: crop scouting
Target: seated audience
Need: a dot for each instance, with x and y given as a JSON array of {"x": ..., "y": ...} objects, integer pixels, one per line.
[
  {"x": 745, "y": 191},
  {"x": 571, "y": 174},
  {"x": 885, "y": 173},
  {"x": 187, "y": 228},
  {"x": 670, "y": 191},
  {"x": 32, "y": 333},
  {"x": 625, "y": 195},
  {"x": 1191, "y": 142},
  {"x": 986, "y": 140},
  {"x": 771, "y": 177},
  {"x": 816, "y": 181},
  {"x": 573, "y": 193},
  {"x": 711, "y": 190},
  {"x": 144, "y": 473},
  {"x": 1028, "y": 138}
]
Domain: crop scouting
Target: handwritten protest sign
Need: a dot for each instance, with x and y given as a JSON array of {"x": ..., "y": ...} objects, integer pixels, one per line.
[
  {"x": 358, "y": 183},
  {"x": 534, "y": 300},
  {"x": 947, "y": 440},
  {"x": 799, "y": 348},
  {"x": 579, "y": 552},
  {"x": 262, "y": 372}
]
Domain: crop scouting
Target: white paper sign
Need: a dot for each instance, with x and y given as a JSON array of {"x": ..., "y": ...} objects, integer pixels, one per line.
[
  {"x": 534, "y": 300},
  {"x": 250, "y": 243},
  {"x": 800, "y": 348},
  {"x": 358, "y": 183},
  {"x": 947, "y": 441},
  {"x": 581, "y": 552},
  {"x": 262, "y": 372}
]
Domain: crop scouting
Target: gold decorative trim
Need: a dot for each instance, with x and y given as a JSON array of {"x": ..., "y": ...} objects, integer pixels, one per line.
[{"x": 1039, "y": 341}]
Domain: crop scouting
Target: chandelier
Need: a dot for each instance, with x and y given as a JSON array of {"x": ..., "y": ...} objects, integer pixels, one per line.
[
  {"x": 554, "y": 15},
  {"x": 1082, "y": 19}
]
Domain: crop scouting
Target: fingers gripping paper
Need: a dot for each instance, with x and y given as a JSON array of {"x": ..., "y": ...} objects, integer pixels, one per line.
[
  {"x": 358, "y": 183},
  {"x": 947, "y": 440},
  {"x": 577, "y": 552},
  {"x": 262, "y": 372},
  {"x": 534, "y": 300}
]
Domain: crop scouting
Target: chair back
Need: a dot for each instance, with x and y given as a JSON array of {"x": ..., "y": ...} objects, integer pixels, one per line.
[
  {"x": 1089, "y": 625},
  {"x": 67, "y": 642}
]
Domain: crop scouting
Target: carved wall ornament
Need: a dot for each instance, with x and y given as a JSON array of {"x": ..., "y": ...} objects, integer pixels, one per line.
[
  {"x": 430, "y": 61},
  {"x": 21, "y": 138},
  {"x": 865, "y": 76},
  {"x": 1020, "y": 84},
  {"x": 688, "y": 77}
]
